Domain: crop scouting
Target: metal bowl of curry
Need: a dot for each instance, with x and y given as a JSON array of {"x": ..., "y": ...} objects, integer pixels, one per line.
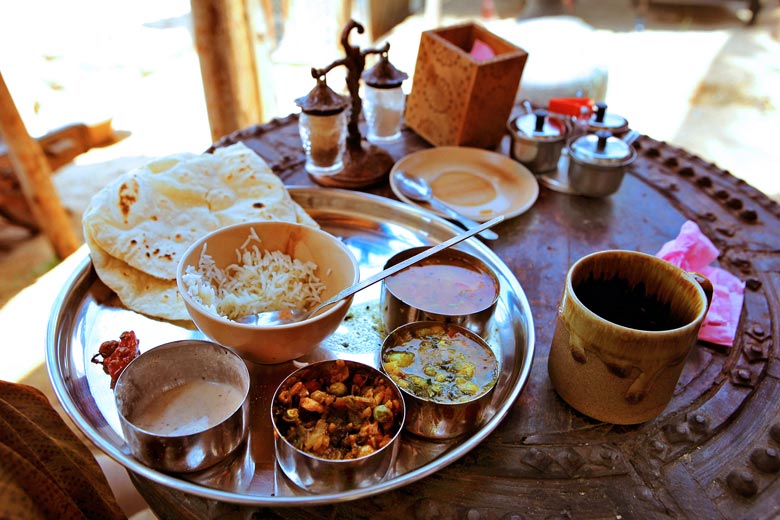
[
  {"x": 451, "y": 286},
  {"x": 447, "y": 374},
  {"x": 337, "y": 425}
]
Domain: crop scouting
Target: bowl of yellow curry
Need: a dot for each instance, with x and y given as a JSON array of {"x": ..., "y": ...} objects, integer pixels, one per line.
[{"x": 447, "y": 374}]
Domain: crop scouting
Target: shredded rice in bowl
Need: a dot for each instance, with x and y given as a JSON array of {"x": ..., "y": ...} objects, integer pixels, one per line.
[{"x": 259, "y": 281}]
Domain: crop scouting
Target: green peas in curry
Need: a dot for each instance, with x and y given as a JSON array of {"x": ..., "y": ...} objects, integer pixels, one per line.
[{"x": 440, "y": 363}]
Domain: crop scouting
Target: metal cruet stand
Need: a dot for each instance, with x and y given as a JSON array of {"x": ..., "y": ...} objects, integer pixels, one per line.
[{"x": 364, "y": 163}]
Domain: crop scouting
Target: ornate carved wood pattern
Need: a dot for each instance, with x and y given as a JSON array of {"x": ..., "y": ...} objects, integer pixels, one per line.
[{"x": 713, "y": 453}]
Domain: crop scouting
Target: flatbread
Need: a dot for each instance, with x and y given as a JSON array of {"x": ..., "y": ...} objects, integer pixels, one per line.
[
  {"x": 148, "y": 217},
  {"x": 136, "y": 289},
  {"x": 140, "y": 225}
]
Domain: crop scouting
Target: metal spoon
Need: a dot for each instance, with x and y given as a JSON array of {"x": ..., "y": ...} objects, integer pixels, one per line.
[
  {"x": 281, "y": 317},
  {"x": 418, "y": 189}
]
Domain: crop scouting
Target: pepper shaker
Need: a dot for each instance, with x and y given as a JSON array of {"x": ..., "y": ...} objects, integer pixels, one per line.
[{"x": 323, "y": 128}]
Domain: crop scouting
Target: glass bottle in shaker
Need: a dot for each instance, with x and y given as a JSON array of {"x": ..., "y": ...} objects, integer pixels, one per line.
[
  {"x": 384, "y": 100},
  {"x": 323, "y": 129}
]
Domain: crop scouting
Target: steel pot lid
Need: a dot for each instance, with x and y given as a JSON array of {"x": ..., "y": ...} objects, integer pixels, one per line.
[
  {"x": 538, "y": 126},
  {"x": 602, "y": 120},
  {"x": 601, "y": 149}
]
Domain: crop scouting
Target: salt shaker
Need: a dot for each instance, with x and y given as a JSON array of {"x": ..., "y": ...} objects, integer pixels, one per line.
[{"x": 384, "y": 100}]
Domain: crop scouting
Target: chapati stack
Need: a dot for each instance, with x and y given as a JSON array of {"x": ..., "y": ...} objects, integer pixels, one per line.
[{"x": 139, "y": 225}]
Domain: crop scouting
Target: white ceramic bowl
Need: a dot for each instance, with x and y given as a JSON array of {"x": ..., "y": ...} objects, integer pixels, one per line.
[{"x": 337, "y": 268}]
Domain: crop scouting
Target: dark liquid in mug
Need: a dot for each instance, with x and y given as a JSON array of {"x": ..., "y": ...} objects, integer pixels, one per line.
[{"x": 630, "y": 306}]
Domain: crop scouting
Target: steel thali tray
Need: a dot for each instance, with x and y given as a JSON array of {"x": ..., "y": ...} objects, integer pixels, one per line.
[{"x": 87, "y": 313}]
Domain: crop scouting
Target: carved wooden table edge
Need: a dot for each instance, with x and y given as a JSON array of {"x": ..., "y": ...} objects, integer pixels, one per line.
[
  {"x": 741, "y": 478},
  {"x": 716, "y": 457}
]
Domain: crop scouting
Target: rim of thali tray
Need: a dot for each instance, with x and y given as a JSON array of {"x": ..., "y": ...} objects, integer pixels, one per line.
[{"x": 109, "y": 441}]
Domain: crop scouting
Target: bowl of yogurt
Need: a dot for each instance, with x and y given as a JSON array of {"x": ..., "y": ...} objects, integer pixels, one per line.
[{"x": 183, "y": 405}]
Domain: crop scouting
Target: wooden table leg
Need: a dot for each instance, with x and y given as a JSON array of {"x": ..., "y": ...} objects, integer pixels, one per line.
[
  {"x": 34, "y": 174},
  {"x": 235, "y": 68}
]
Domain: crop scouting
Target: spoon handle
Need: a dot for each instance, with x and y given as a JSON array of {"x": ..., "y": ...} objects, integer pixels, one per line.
[
  {"x": 371, "y": 280},
  {"x": 463, "y": 219}
]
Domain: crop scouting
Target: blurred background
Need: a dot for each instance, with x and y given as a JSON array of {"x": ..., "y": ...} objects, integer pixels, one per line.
[{"x": 703, "y": 75}]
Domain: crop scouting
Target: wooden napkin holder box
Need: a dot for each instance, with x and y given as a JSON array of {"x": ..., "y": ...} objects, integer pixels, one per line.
[{"x": 457, "y": 100}]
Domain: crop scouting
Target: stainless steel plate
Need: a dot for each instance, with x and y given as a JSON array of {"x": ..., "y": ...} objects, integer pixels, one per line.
[{"x": 87, "y": 313}]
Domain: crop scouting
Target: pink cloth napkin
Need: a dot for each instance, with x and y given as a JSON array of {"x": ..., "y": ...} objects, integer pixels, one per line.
[
  {"x": 481, "y": 50},
  {"x": 693, "y": 251}
]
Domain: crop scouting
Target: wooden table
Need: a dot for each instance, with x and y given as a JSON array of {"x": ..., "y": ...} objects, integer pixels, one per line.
[{"x": 713, "y": 453}]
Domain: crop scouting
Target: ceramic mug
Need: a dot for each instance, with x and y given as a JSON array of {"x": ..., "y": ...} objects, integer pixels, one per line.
[{"x": 626, "y": 324}]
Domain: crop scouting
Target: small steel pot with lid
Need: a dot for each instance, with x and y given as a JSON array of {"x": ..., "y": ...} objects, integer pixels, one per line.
[
  {"x": 602, "y": 120},
  {"x": 537, "y": 140},
  {"x": 597, "y": 163}
]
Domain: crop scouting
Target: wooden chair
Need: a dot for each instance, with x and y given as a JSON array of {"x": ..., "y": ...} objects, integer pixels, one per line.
[{"x": 34, "y": 173}]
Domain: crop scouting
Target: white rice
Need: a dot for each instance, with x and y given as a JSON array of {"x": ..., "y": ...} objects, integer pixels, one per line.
[{"x": 259, "y": 281}]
